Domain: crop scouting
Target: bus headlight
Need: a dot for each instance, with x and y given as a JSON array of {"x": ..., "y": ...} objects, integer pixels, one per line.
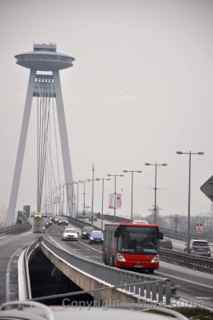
[
  {"x": 155, "y": 259},
  {"x": 120, "y": 258}
]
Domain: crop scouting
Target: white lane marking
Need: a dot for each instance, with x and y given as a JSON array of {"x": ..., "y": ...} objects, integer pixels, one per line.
[
  {"x": 22, "y": 234},
  {"x": 57, "y": 244},
  {"x": 88, "y": 275},
  {"x": 2, "y": 237},
  {"x": 166, "y": 275},
  {"x": 8, "y": 272},
  {"x": 80, "y": 242},
  {"x": 12, "y": 237},
  {"x": 72, "y": 250},
  {"x": 88, "y": 246},
  {"x": 186, "y": 271}
]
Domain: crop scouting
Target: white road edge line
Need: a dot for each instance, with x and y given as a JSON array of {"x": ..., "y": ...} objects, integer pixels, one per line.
[
  {"x": 8, "y": 272},
  {"x": 76, "y": 268},
  {"x": 80, "y": 242},
  {"x": 21, "y": 278},
  {"x": 161, "y": 273},
  {"x": 58, "y": 244},
  {"x": 185, "y": 280},
  {"x": 87, "y": 246}
]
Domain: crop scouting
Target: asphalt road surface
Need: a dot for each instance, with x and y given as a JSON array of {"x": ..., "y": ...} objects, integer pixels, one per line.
[
  {"x": 193, "y": 285},
  {"x": 10, "y": 248}
]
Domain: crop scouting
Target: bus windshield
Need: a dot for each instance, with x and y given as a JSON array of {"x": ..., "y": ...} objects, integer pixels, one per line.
[{"x": 138, "y": 240}]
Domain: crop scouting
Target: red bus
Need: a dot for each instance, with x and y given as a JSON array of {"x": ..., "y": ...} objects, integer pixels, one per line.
[{"x": 132, "y": 245}]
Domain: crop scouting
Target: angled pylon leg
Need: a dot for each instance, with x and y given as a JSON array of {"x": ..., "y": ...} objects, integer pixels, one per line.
[{"x": 11, "y": 212}]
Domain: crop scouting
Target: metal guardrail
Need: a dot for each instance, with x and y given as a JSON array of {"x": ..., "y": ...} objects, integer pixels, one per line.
[
  {"x": 27, "y": 275},
  {"x": 146, "y": 287},
  {"x": 175, "y": 235},
  {"x": 168, "y": 232},
  {"x": 183, "y": 235},
  {"x": 190, "y": 261},
  {"x": 27, "y": 255},
  {"x": 25, "y": 291},
  {"x": 116, "y": 218},
  {"x": 15, "y": 229},
  {"x": 80, "y": 223}
]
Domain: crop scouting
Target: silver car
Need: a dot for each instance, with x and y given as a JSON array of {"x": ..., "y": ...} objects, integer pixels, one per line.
[{"x": 200, "y": 248}]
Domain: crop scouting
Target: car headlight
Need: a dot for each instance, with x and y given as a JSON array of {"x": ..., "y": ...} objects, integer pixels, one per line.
[
  {"x": 91, "y": 238},
  {"x": 120, "y": 258},
  {"x": 155, "y": 259}
]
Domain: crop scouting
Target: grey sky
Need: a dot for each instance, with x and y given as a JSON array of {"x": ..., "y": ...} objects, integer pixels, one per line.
[{"x": 140, "y": 89}]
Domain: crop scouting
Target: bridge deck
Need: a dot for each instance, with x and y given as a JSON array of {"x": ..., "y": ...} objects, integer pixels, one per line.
[{"x": 10, "y": 249}]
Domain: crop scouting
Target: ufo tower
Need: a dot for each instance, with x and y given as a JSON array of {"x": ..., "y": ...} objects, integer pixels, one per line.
[{"x": 44, "y": 63}]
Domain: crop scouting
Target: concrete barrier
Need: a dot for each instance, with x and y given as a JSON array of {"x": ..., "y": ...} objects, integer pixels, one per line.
[{"x": 128, "y": 286}]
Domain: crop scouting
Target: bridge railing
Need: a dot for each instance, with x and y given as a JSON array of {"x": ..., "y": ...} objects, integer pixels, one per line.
[
  {"x": 24, "y": 283},
  {"x": 15, "y": 229},
  {"x": 191, "y": 261},
  {"x": 178, "y": 235},
  {"x": 149, "y": 288}
]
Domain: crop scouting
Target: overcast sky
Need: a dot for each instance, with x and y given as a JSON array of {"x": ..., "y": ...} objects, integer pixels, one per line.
[{"x": 140, "y": 89}]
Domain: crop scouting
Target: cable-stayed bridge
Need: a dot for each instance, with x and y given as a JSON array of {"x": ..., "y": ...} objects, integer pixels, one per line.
[
  {"x": 45, "y": 94},
  {"x": 24, "y": 273}
]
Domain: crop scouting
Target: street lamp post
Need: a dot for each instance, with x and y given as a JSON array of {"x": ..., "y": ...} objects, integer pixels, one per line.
[
  {"x": 73, "y": 196},
  {"x": 132, "y": 172},
  {"x": 92, "y": 202},
  {"x": 61, "y": 199},
  {"x": 115, "y": 189},
  {"x": 84, "y": 194},
  {"x": 71, "y": 192},
  {"x": 75, "y": 206},
  {"x": 155, "y": 165},
  {"x": 67, "y": 193},
  {"x": 189, "y": 195},
  {"x": 77, "y": 199},
  {"x": 102, "y": 202},
  {"x": 93, "y": 196}
]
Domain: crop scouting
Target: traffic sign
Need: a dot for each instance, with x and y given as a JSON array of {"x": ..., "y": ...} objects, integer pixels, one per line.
[
  {"x": 207, "y": 188},
  {"x": 199, "y": 228}
]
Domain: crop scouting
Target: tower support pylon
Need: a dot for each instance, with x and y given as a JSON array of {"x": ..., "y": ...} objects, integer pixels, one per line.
[{"x": 44, "y": 81}]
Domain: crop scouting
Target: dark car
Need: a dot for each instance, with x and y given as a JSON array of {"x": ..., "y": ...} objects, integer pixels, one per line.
[
  {"x": 85, "y": 232},
  {"x": 64, "y": 222},
  {"x": 96, "y": 236}
]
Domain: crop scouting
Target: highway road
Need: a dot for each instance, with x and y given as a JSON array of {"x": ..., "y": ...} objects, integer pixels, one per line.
[
  {"x": 10, "y": 249},
  {"x": 193, "y": 285},
  {"x": 178, "y": 245}
]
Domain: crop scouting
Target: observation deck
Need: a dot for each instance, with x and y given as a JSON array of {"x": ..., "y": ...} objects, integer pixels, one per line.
[{"x": 44, "y": 57}]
